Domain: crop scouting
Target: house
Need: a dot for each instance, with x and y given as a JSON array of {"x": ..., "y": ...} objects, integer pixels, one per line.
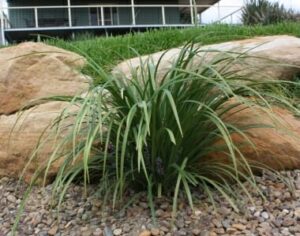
[{"x": 24, "y": 18}]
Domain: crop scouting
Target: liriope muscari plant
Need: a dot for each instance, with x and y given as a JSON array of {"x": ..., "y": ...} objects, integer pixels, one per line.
[{"x": 154, "y": 132}]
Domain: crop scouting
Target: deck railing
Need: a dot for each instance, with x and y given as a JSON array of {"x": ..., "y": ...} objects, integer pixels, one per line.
[
  {"x": 6, "y": 21},
  {"x": 4, "y": 24},
  {"x": 107, "y": 16},
  {"x": 229, "y": 16}
]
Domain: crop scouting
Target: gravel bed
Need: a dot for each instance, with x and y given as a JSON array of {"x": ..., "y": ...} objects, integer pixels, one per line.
[{"x": 278, "y": 215}]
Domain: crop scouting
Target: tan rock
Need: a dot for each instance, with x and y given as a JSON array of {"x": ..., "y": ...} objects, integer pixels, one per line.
[
  {"x": 20, "y": 134},
  {"x": 30, "y": 71},
  {"x": 145, "y": 233},
  {"x": 270, "y": 56},
  {"x": 240, "y": 227},
  {"x": 297, "y": 213},
  {"x": 53, "y": 230},
  {"x": 276, "y": 145},
  {"x": 231, "y": 231},
  {"x": 155, "y": 231}
]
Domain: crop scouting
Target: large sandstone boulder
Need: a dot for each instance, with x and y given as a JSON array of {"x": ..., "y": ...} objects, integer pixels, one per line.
[
  {"x": 30, "y": 71},
  {"x": 277, "y": 57},
  {"x": 20, "y": 134},
  {"x": 276, "y": 145}
]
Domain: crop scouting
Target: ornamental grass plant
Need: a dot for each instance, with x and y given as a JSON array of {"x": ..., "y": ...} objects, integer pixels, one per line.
[
  {"x": 148, "y": 133},
  {"x": 265, "y": 12}
]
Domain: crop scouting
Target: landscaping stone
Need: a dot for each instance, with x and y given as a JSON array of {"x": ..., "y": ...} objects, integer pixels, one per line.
[
  {"x": 19, "y": 136},
  {"x": 196, "y": 231},
  {"x": 297, "y": 213},
  {"x": 239, "y": 226},
  {"x": 11, "y": 198},
  {"x": 117, "y": 232},
  {"x": 282, "y": 49},
  {"x": 40, "y": 219},
  {"x": 155, "y": 231},
  {"x": 145, "y": 233},
  {"x": 265, "y": 215},
  {"x": 30, "y": 71},
  {"x": 276, "y": 146},
  {"x": 53, "y": 230}
]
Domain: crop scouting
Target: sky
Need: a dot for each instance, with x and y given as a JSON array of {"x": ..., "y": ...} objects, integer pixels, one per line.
[
  {"x": 229, "y": 6},
  {"x": 295, "y": 4}
]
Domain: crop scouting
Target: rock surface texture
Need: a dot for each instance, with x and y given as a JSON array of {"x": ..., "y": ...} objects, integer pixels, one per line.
[
  {"x": 31, "y": 71},
  {"x": 276, "y": 145},
  {"x": 21, "y": 133},
  {"x": 264, "y": 52}
]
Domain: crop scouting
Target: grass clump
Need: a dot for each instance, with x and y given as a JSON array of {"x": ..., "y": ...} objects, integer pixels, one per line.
[
  {"x": 156, "y": 133},
  {"x": 264, "y": 12}
]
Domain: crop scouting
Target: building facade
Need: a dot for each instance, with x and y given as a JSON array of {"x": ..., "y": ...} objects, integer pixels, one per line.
[{"x": 21, "y": 19}]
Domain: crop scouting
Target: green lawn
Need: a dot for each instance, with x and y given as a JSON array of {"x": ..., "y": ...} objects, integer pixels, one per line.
[{"x": 108, "y": 51}]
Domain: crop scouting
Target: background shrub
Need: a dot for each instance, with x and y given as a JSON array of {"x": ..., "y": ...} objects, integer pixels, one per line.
[{"x": 264, "y": 12}]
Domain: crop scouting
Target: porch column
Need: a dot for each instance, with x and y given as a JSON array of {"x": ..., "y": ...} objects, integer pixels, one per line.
[
  {"x": 2, "y": 22},
  {"x": 69, "y": 13},
  {"x": 133, "y": 12}
]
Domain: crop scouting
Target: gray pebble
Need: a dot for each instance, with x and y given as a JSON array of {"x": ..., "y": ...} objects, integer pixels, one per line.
[
  {"x": 117, "y": 232},
  {"x": 79, "y": 216},
  {"x": 265, "y": 215},
  {"x": 11, "y": 198}
]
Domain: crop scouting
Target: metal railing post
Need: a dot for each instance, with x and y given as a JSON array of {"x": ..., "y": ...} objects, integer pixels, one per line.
[
  {"x": 102, "y": 16},
  {"x": 36, "y": 17},
  {"x": 2, "y": 25},
  {"x": 163, "y": 15},
  {"x": 69, "y": 13},
  {"x": 133, "y": 13},
  {"x": 192, "y": 12},
  {"x": 229, "y": 16}
]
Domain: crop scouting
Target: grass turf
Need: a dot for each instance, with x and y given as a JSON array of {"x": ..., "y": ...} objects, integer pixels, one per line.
[{"x": 109, "y": 51}]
